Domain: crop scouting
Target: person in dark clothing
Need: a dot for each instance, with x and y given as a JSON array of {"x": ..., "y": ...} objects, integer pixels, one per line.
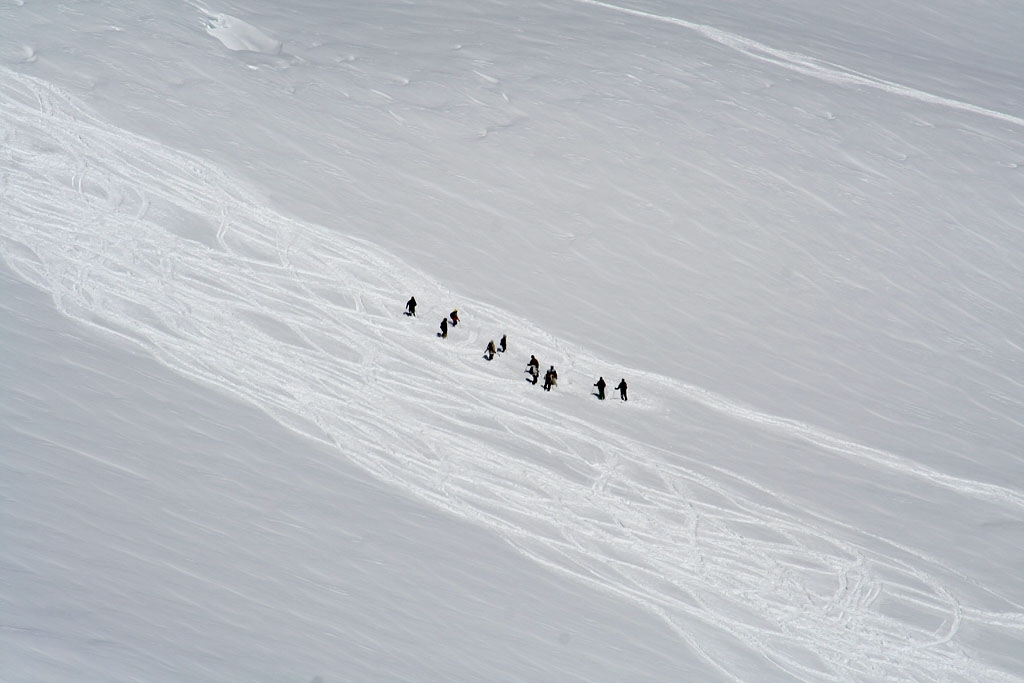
[
  {"x": 600, "y": 384},
  {"x": 444, "y": 328},
  {"x": 622, "y": 389},
  {"x": 454, "y": 315},
  {"x": 489, "y": 351},
  {"x": 533, "y": 368},
  {"x": 410, "y": 307},
  {"x": 502, "y": 344},
  {"x": 550, "y": 378}
]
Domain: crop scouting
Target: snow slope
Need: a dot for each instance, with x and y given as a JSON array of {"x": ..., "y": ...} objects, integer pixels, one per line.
[{"x": 803, "y": 255}]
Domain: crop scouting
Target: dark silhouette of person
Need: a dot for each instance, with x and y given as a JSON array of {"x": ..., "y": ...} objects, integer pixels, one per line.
[
  {"x": 550, "y": 378},
  {"x": 600, "y": 384},
  {"x": 410, "y": 307},
  {"x": 533, "y": 367},
  {"x": 444, "y": 328},
  {"x": 454, "y": 315},
  {"x": 622, "y": 389},
  {"x": 502, "y": 344},
  {"x": 489, "y": 351}
]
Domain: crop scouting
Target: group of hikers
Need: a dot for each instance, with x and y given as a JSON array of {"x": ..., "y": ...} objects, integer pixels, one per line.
[
  {"x": 410, "y": 310},
  {"x": 532, "y": 367},
  {"x": 490, "y": 350},
  {"x": 600, "y": 384}
]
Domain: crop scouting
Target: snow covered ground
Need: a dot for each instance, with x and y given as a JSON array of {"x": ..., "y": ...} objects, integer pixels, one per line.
[{"x": 795, "y": 229}]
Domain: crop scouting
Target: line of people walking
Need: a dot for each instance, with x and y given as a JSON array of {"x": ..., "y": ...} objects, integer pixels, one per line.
[
  {"x": 532, "y": 366},
  {"x": 533, "y": 370},
  {"x": 491, "y": 350},
  {"x": 454, "y": 317},
  {"x": 601, "y": 384}
]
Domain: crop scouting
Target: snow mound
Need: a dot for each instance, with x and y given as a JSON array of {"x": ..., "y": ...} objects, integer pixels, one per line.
[{"x": 238, "y": 35}]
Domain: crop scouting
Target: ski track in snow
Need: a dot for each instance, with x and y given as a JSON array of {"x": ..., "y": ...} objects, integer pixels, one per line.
[
  {"x": 164, "y": 250},
  {"x": 808, "y": 66}
]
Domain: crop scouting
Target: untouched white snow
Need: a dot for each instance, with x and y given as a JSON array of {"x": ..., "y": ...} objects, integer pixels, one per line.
[{"x": 797, "y": 232}]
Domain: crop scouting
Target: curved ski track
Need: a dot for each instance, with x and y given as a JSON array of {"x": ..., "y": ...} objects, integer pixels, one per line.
[
  {"x": 808, "y": 66},
  {"x": 164, "y": 250}
]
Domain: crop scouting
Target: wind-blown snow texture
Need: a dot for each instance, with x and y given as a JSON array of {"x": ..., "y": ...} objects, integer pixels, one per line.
[{"x": 795, "y": 229}]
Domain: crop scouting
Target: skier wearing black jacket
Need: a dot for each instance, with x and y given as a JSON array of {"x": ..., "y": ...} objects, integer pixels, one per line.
[{"x": 622, "y": 389}]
